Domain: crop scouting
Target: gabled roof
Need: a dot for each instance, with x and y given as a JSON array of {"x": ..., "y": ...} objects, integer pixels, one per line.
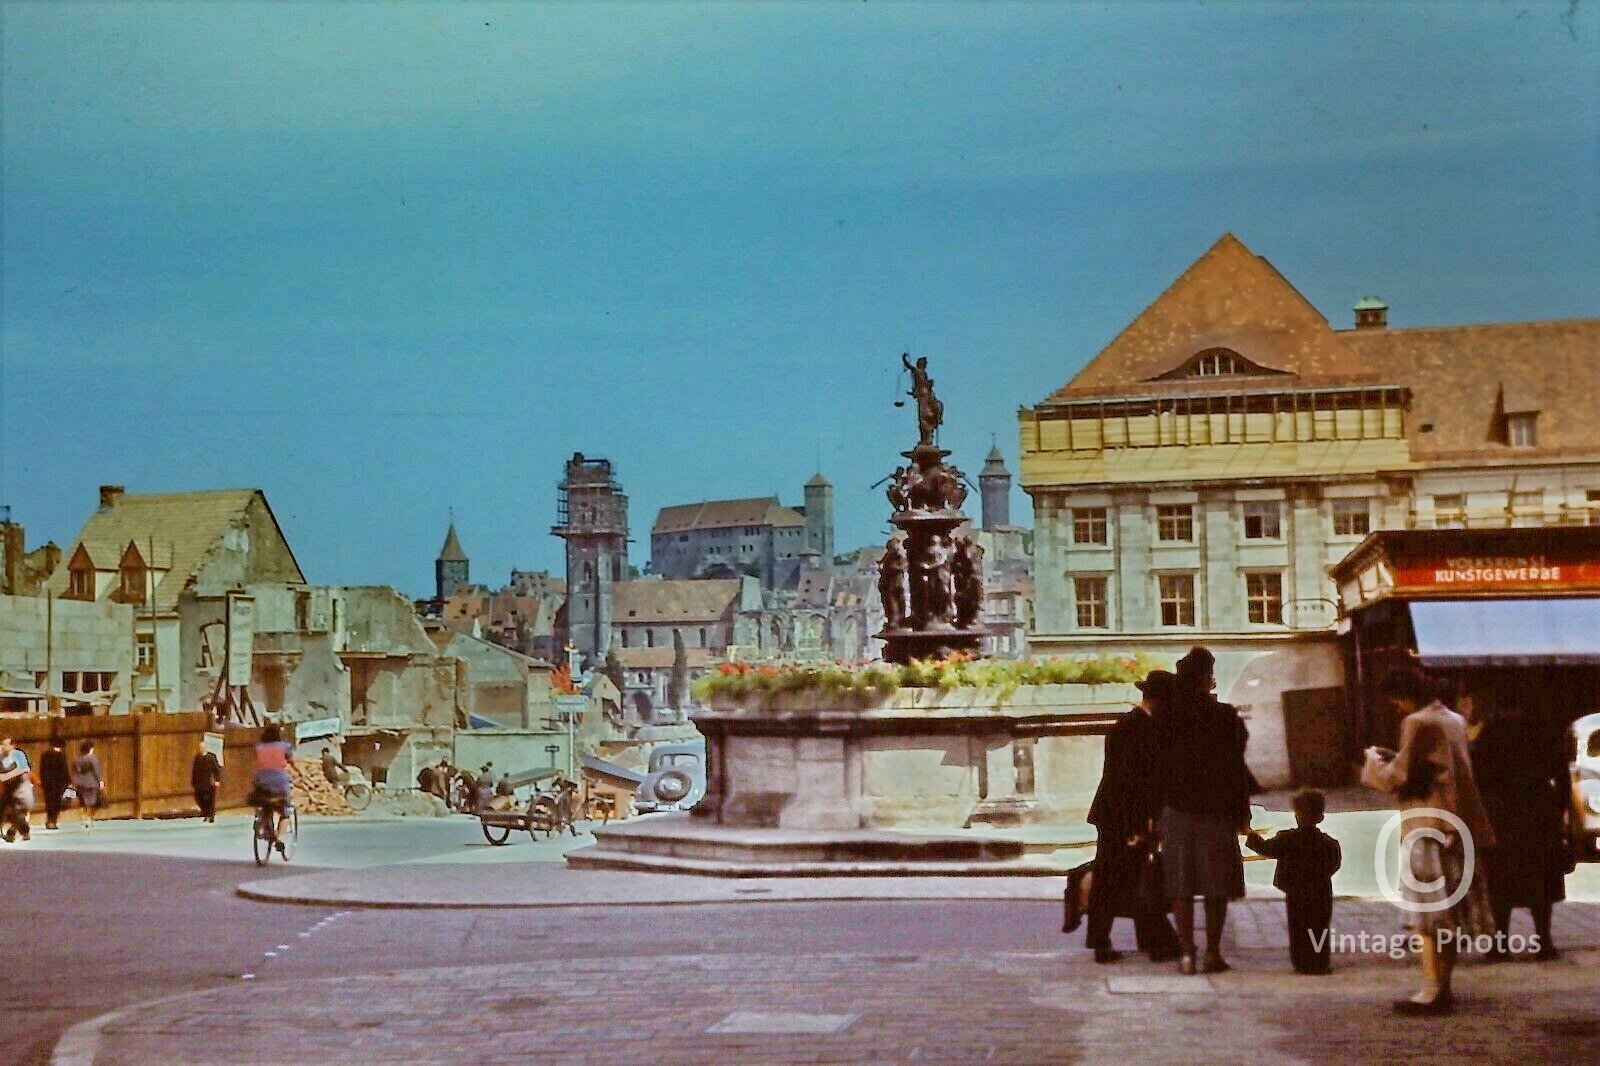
[
  {"x": 1463, "y": 377},
  {"x": 1230, "y": 299},
  {"x": 718, "y": 514},
  {"x": 673, "y": 602},
  {"x": 184, "y": 527}
]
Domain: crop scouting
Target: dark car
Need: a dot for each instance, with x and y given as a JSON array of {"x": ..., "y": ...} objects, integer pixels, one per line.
[{"x": 676, "y": 779}]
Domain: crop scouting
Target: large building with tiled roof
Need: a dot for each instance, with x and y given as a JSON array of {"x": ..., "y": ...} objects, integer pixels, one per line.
[
  {"x": 758, "y": 536},
  {"x": 1196, "y": 480}
]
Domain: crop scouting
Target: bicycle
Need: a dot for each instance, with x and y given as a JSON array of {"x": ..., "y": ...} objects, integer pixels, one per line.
[{"x": 265, "y": 831}]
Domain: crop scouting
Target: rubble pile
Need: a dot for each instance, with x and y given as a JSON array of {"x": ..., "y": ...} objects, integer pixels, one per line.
[{"x": 313, "y": 793}]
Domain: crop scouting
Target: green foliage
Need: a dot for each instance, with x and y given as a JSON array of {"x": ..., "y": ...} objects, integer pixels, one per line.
[{"x": 866, "y": 685}]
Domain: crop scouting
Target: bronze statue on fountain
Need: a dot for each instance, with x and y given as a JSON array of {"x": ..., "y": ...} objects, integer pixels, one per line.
[{"x": 931, "y": 579}]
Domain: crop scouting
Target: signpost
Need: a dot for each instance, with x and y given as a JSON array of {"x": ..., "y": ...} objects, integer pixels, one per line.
[
  {"x": 569, "y": 708},
  {"x": 212, "y": 742},
  {"x": 241, "y": 637}
]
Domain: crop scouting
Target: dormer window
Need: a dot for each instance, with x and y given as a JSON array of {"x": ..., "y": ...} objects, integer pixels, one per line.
[
  {"x": 1520, "y": 432},
  {"x": 132, "y": 584},
  {"x": 1215, "y": 363},
  {"x": 80, "y": 584}
]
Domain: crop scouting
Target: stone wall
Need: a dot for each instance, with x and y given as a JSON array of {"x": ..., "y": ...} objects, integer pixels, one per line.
[
  {"x": 923, "y": 758},
  {"x": 73, "y": 636}
]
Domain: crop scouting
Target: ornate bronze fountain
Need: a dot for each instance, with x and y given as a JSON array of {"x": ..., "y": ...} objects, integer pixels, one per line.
[{"x": 931, "y": 578}]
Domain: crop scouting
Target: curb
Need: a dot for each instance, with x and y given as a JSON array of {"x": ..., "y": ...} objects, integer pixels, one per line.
[{"x": 79, "y": 1045}]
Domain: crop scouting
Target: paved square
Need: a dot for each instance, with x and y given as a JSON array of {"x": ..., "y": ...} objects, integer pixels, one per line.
[{"x": 1160, "y": 985}]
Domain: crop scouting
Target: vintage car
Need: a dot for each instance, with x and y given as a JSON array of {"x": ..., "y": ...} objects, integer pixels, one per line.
[
  {"x": 1585, "y": 813},
  {"x": 675, "y": 780}
]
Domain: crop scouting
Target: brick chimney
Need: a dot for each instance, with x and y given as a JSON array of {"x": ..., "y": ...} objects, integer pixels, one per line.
[
  {"x": 109, "y": 495},
  {"x": 1371, "y": 313}
]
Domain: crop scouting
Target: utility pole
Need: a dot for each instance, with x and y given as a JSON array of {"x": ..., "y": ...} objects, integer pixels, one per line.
[
  {"x": 155, "y": 634},
  {"x": 49, "y": 650}
]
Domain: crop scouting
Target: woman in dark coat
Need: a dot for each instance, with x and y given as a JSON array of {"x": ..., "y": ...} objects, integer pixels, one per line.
[
  {"x": 1520, "y": 777},
  {"x": 1124, "y": 812},
  {"x": 1206, "y": 805}
]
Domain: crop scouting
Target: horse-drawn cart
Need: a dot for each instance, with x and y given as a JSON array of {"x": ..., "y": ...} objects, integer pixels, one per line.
[{"x": 548, "y": 809}]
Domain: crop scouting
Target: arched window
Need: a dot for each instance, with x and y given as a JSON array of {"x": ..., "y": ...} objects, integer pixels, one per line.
[{"x": 1216, "y": 363}]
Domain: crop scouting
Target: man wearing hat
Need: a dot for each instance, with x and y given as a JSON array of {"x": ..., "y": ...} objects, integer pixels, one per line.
[{"x": 1124, "y": 812}]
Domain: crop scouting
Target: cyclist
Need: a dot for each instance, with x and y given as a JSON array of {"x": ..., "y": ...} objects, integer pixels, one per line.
[{"x": 271, "y": 777}]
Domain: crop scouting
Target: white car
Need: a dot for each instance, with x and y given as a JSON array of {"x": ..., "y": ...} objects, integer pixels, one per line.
[{"x": 1585, "y": 814}]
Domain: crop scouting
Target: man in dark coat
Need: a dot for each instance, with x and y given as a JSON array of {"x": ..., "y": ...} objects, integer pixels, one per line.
[
  {"x": 54, "y": 778},
  {"x": 205, "y": 774},
  {"x": 1123, "y": 812},
  {"x": 1522, "y": 778}
]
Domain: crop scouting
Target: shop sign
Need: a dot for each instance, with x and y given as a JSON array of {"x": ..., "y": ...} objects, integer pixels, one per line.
[
  {"x": 1494, "y": 573},
  {"x": 317, "y": 727}
]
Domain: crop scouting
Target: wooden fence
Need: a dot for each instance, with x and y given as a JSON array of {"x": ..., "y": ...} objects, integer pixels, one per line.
[{"x": 146, "y": 758}]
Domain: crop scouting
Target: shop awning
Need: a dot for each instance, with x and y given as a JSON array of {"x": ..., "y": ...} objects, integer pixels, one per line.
[{"x": 1537, "y": 632}]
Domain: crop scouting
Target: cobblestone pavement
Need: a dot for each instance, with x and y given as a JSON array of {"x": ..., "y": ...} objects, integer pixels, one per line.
[{"x": 948, "y": 1007}]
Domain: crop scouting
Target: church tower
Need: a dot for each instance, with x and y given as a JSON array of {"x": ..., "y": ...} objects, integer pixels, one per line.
[
  {"x": 592, "y": 517},
  {"x": 994, "y": 485},
  {"x": 451, "y": 568},
  {"x": 819, "y": 517}
]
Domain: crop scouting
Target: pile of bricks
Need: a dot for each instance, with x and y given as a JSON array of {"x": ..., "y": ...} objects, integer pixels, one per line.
[{"x": 313, "y": 793}]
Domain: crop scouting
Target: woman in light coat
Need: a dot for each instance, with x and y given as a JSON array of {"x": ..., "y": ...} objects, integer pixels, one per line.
[{"x": 1431, "y": 772}]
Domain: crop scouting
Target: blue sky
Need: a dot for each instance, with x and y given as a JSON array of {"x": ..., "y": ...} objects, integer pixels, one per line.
[{"x": 385, "y": 260}]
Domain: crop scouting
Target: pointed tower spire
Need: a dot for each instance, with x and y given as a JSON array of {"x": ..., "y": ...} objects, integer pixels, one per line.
[
  {"x": 451, "y": 552},
  {"x": 451, "y": 568}
]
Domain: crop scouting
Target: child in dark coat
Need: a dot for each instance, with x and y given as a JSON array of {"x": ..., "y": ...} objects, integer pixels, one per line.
[{"x": 1307, "y": 859}]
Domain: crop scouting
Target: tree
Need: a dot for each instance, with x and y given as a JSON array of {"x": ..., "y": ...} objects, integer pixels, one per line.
[
  {"x": 613, "y": 670},
  {"x": 678, "y": 692}
]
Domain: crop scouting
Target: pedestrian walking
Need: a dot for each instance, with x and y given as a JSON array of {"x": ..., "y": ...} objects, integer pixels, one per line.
[
  {"x": 1307, "y": 860},
  {"x": 1205, "y": 806},
  {"x": 205, "y": 777},
  {"x": 1126, "y": 878},
  {"x": 16, "y": 790},
  {"x": 333, "y": 769},
  {"x": 1522, "y": 778},
  {"x": 88, "y": 781},
  {"x": 54, "y": 778},
  {"x": 1432, "y": 771},
  {"x": 483, "y": 786}
]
